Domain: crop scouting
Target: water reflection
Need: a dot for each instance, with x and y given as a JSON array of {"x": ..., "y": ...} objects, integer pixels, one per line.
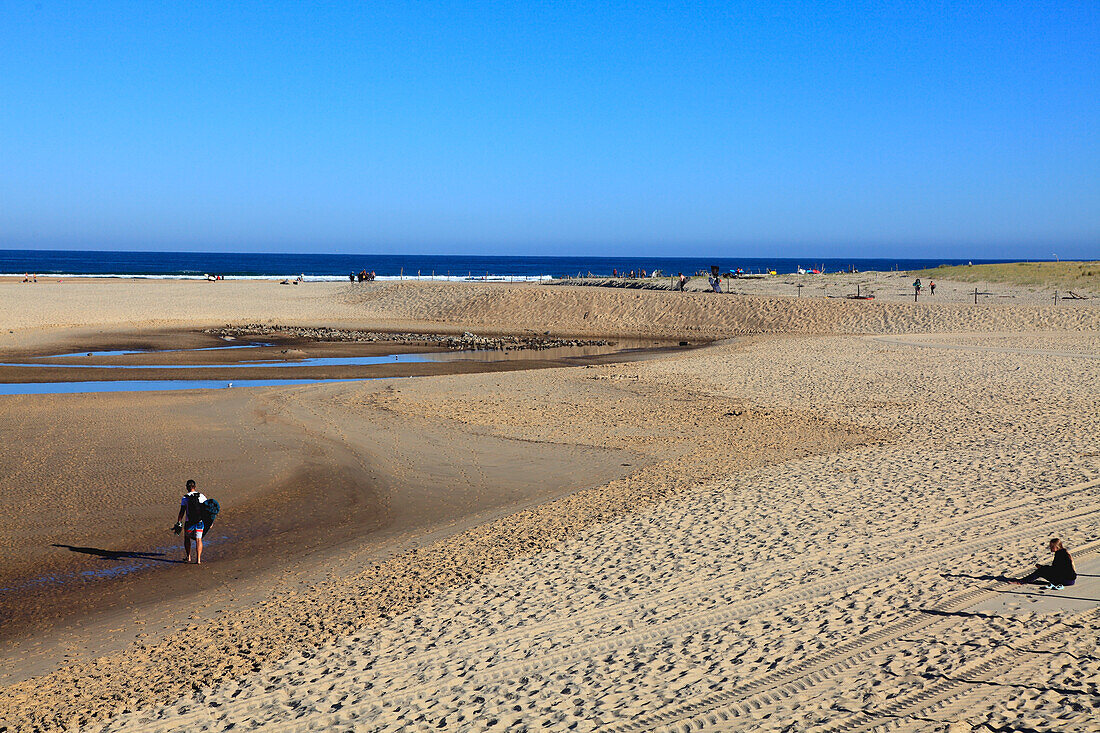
[
  {"x": 150, "y": 385},
  {"x": 282, "y": 360},
  {"x": 484, "y": 356}
]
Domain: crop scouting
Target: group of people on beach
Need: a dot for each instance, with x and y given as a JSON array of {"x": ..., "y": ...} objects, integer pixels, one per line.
[
  {"x": 919, "y": 287},
  {"x": 633, "y": 274},
  {"x": 363, "y": 276}
]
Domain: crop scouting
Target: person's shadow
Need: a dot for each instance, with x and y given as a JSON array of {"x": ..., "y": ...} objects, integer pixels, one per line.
[
  {"x": 118, "y": 554},
  {"x": 987, "y": 578}
]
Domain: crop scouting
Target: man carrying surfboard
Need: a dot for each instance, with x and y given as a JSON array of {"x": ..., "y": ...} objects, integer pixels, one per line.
[{"x": 193, "y": 511}]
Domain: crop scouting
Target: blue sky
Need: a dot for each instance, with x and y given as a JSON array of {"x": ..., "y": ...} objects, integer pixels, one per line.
[{"x": 754, "y": 129}]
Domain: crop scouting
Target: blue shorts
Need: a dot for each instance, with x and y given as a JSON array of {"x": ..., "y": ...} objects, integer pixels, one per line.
[{"x": 195, "y": 530}]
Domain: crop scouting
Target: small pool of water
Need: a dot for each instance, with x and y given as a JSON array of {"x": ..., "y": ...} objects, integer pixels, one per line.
[
  {"x": 484, "y": 355},
  {"x": 154, "y": 385},
  {"x": 115, "y": 564},
  {"x": 227, "y": 347},
  {"x": 288, "y": 360},
  {"x": 259, "y": 363}
]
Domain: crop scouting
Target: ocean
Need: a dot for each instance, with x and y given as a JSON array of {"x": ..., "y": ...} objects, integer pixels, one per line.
[{"x": 254, "y": 265}]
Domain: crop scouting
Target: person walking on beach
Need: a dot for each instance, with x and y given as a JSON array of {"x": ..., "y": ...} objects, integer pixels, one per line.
[
  {"x": 683, "y": 282},
  {"x": 190, "y": 520},
  {"x": 932, "y": 287},
  {"x": 1059, "y": 573}
]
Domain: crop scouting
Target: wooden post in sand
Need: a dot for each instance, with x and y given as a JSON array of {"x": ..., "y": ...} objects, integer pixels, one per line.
[{"x": 975, "y": 296}]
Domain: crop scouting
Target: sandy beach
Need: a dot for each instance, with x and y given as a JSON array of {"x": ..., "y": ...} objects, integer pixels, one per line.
[{"x": 805, "y": 523}]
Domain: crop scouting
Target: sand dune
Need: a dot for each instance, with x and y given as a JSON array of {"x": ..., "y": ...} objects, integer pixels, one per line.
[
  {"x": 34, "y": 312},
  {"x": 577, "y": 310}
]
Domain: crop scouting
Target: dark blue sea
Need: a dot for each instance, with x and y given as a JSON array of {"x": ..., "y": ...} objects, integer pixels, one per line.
[{"x": 238, "y": 265}]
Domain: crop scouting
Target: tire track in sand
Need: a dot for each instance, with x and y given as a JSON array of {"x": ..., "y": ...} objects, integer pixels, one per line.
[
  {"x": 727, "y": 705},
  {"x": 799, "y": 677}
]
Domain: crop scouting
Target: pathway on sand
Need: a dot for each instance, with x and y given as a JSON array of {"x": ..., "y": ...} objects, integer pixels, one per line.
[{"x": 845, "y": 591}]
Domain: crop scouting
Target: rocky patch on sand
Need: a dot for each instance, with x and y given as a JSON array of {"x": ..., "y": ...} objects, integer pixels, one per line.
[{"x": 467, "y": 341}]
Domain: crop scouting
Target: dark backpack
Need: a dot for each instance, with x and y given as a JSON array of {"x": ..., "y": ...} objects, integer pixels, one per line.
[
  {"x": 194, "y": 509},
  {"x": 206, "y": 512},
  {"x": 210, "y": 511}
]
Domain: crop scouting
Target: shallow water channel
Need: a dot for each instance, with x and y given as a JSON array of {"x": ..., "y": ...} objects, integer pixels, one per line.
[{"x": 93, "y": 360}]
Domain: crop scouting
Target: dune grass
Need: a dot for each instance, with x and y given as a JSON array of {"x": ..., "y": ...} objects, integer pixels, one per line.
[{"x": 1060, "y": 275}]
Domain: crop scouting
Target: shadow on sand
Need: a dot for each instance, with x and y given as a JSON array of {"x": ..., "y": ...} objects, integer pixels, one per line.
[
  {"x": 986, "y": 578},
  {"x": 118, "y": 554}
]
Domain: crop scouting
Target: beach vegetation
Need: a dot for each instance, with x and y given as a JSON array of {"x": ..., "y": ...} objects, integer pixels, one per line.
[{"x": 1071, "y": 275}]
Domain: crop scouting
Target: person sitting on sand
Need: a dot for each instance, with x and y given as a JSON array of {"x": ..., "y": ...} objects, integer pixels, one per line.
[
  {"x": 191, "y": 508},
  {"x": 1059, "y": 573}
]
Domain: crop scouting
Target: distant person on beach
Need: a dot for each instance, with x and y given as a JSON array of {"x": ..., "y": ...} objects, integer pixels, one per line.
[
  {"x": 683, "y": 282},
  {"x": 916, "y": 285},
  {"x": 351, "y": 277},
  {"x": 190, "y": 520},
  {"x": 1059, "y": 573},
  {"x": 932, "y": 287}
]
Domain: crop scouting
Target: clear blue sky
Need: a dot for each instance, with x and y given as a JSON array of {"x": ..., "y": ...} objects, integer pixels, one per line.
[{"x": 770, "y": 129}]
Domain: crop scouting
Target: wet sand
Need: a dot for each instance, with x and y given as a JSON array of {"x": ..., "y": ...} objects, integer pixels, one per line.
[
  {"x": 193, "y": 355},
  {"x": 90, "y": 509}
]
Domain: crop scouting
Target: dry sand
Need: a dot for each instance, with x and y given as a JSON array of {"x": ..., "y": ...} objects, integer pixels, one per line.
[
  {"x": 897, "y": 287},
  {"x": 76, "y": 310},
  {"x": 809, "y": 535}
]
